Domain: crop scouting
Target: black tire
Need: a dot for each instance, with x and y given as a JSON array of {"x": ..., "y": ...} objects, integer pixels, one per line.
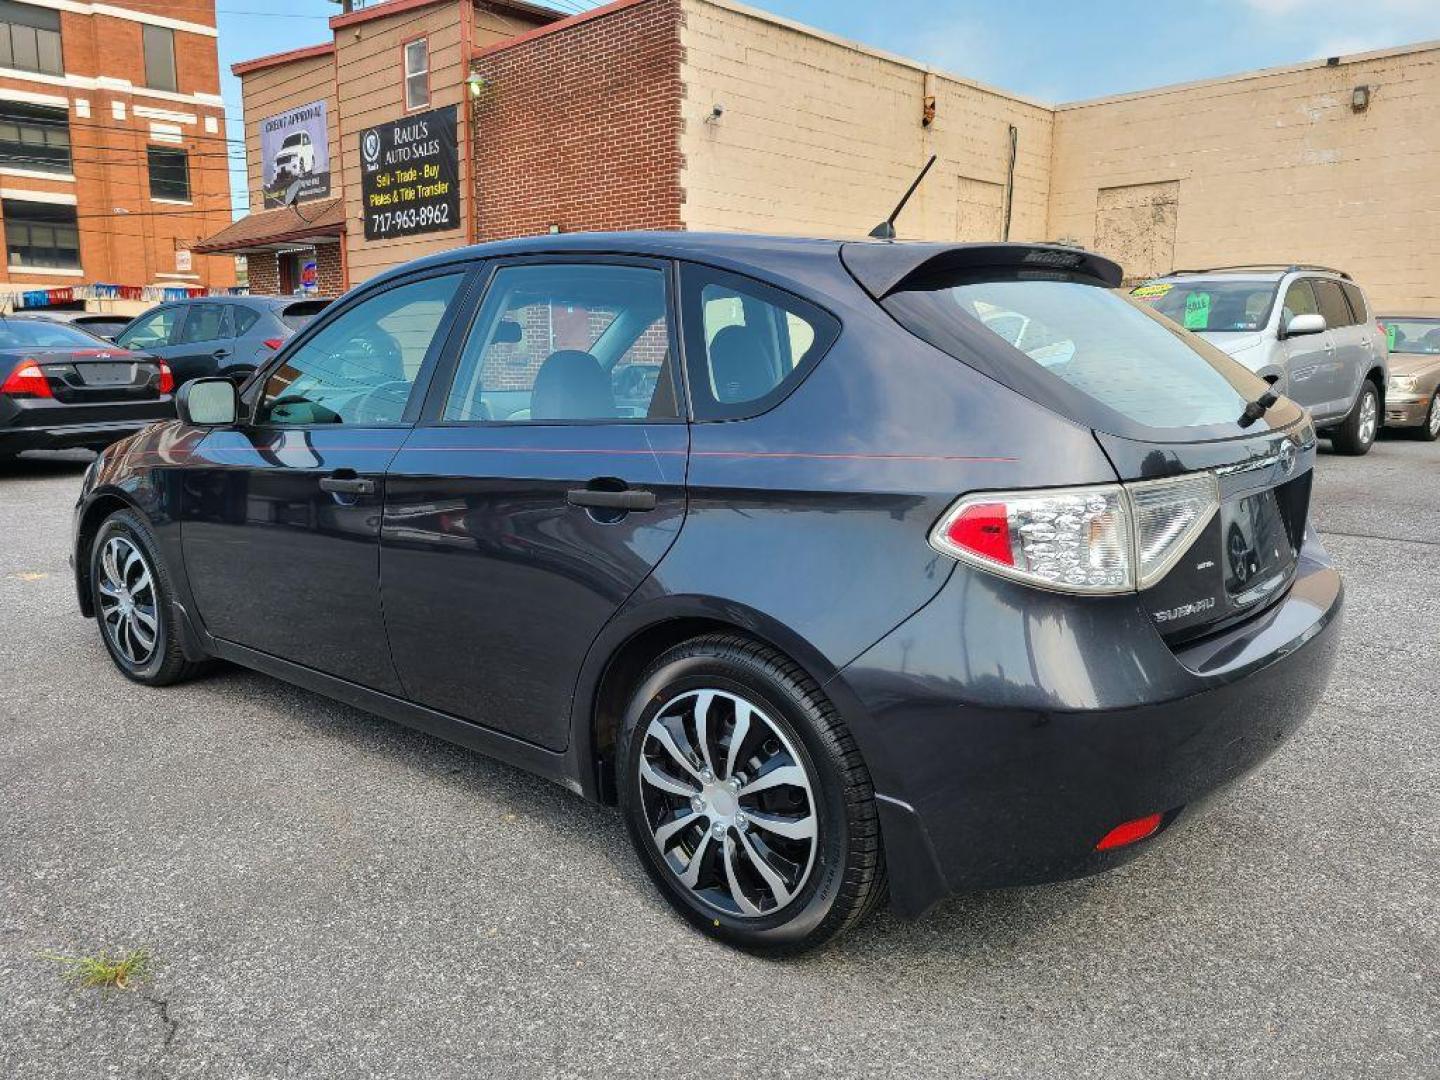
[
  {"x": 1357, "y": 432},
  {"x": 844, "y": 878},
  {"x": 164, "y": 662},
  {"x": 1429, "y": 429}
]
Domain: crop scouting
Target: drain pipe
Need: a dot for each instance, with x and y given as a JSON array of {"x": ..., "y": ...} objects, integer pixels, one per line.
[{"x": 1010, "y": 180}]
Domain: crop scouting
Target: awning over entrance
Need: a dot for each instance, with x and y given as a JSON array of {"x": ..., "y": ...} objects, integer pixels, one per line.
[{"x": 278, "y": 230}]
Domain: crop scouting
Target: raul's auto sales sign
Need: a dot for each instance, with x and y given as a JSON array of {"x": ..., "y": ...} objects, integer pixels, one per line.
[{"x": 410, "y": 175}]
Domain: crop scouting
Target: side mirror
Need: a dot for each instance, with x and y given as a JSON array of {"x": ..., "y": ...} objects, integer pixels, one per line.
[
  {"x": 1300, "y": 325},
  {"x": 208, "y": 403}
]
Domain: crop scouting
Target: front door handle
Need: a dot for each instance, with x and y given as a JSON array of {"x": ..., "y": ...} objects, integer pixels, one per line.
[
  {"x": 611, "y": 500},
  {"x": 347, "y": 485}
]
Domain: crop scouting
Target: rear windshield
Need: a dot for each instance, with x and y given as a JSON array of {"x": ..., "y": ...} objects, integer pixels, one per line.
[
  {"x": 1413, "y": 335},
  {"x": 1090, "y": 353},
  {"x": 41, "y": 334},
  {"x": 297, "y": 315},
  {"x": 1212, "y": 307}
]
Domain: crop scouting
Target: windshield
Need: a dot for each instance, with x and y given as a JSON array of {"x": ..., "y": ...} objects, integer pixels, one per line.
[
  {"x": 41, "y": 334},
  {"x": 1415, "y": 336},
  {"x": 1074, "y": 345},
  {"x": 1212, "y": 306}
]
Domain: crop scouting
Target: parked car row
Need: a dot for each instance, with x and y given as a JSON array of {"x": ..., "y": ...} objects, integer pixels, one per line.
[{"x": 63, "y": 384}]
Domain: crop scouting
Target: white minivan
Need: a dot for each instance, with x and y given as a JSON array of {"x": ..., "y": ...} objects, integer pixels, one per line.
[{"x": 1308, "y": 330}]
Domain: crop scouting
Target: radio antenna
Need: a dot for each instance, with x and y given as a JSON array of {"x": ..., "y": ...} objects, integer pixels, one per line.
[{"x": 886, "y": 229}]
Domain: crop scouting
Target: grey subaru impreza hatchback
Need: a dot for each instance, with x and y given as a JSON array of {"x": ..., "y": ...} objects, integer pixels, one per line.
[{"x": 849, "y": 571}]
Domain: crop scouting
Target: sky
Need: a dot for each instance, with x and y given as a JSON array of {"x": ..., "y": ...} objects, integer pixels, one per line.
[{"x": 1054, "y": 50}]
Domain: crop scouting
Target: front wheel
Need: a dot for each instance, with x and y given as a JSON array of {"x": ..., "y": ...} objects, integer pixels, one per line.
[
  {"x": 747, "y": 799},
  {"x": 1356, "y": 433},
  {"x": 1429, "y": 429},
  {"x": 132, "y": 592}
]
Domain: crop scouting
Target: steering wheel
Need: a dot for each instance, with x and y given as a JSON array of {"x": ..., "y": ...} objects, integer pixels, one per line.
[{"x": 379, "y": 405}]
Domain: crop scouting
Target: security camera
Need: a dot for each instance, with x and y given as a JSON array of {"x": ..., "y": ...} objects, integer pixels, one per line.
[{"x": 716, "y": 111}]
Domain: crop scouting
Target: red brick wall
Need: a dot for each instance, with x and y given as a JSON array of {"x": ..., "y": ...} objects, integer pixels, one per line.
[
  {"x": 580, "y": 126},
  {"x": 264, "y": 271}
]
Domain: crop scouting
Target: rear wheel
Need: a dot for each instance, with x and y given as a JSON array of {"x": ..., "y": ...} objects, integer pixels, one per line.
[
  {"x": 747, "y": 799},
  {"x": 1356, "y": 433},
  {"x": 132, "y": 592}
]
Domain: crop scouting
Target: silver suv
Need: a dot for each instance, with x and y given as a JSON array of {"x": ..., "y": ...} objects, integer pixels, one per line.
[{"x": 1306, "y": 329}]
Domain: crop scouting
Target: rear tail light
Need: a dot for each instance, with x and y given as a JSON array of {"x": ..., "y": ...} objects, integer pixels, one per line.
[
  {"x": 1130, "y": 832},
  {"x": 273, "y": 343},
  {"x": 1109, "y": 538},
  {"x": 27, "y": 380},
  {"x": 167, "y": 378}
]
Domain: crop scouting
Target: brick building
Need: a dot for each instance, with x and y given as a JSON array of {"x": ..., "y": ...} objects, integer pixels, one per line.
[
  {"x": 112, "y": 149},
  {"x": 707, "y": 114}
]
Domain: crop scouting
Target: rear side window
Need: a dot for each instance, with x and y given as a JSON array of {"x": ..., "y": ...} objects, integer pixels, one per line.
[
  {"x": 245, "y": 318},
  {"x": 1096, "y": 356},
  {"x": 1357, "y": 302},
  {"x": 297, "y": 315},
  {"x": 205, "y": 322},
  {"x": 1332, "y": 303},
  {"x": 748, "y": 345}
]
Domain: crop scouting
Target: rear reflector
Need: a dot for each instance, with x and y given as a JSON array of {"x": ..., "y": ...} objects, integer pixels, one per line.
[
  {"x": 27, "y": 381},
  {"x": 1130, "y": 832}
]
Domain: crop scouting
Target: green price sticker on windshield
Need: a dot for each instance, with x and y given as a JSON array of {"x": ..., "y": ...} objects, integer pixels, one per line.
[
  {"x": 1197, "y": 311},
  {"x": 1390, "y": 337}
]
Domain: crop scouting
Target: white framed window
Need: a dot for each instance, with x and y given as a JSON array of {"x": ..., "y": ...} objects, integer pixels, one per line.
[{"x": 417, "y": 74}]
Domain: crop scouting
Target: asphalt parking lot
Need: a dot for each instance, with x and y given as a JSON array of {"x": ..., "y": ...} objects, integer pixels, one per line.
[{"x": 327, "y": 894}]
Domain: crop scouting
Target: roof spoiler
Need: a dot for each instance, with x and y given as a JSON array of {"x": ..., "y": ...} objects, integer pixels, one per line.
[{"x": 882, "y": 268}]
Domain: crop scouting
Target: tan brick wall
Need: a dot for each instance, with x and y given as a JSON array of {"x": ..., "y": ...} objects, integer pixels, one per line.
[
  {"x": 1269, "y": 166},
  {"x": 580, "y": 127},
  {"x": 822, "y": 136},
  {"x": 110, "y": 170}
]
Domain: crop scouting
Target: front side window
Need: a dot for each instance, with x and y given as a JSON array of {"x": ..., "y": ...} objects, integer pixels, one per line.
[
  {"x": 1211, "y": 306},
  {"x": 748, "y": 343},
  {"x": 361, "y": 367},
  {"x": 417, "y": 74},
  {"x": 30, "y": 38},
  {"x": 159, "y": 42},
  {"x": 169, "y": 173},
  {"x": 1098, "y": 356},
  {"x": 1299, "y": 300},
  {"x": 1332, "y": 303},
  {"x": 205, "y": 322},
  {"x": 42, "y": 235},
  {"x": 568, "y": 342},
  {"x": 150, "y": 330},
  {"x": 34, "y": 137}
]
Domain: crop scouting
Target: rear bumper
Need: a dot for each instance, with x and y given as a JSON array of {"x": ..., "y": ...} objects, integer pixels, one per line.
[
  {"x": 1011, "y": 773},
  {"x": 64, "y": 436}
]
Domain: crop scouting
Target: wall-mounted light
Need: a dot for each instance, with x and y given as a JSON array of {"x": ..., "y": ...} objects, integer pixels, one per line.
[
  {"x": 1360, "y": 98},
  {"x": 716, "y": 111},
  {"x": 476, "y": 84},
  {"x": 553, "y": 230}
]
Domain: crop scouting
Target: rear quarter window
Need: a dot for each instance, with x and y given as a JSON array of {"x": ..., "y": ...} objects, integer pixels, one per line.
[{"x": 296, "y": 315}]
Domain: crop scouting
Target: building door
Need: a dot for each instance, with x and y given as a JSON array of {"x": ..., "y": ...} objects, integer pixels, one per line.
[{"x": 1135, "y": 226}]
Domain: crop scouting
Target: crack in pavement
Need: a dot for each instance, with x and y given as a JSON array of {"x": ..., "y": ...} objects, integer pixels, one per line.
[{"x": 172, "y": 1026}]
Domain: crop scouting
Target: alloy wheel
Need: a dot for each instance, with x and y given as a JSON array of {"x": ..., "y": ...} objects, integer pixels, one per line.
[
  {"x": 1432, "y": 422},
  {"x": 126, "y": 592},
  {"x": 1369, "y": 413},
  {"x": 729, "y": 803}
]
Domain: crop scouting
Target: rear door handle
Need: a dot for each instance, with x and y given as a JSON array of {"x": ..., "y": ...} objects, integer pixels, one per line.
[
  {"x": 347, "y": 485},
  {"x": 220, "y": 353},
  {"x": 611, "y": 500}
]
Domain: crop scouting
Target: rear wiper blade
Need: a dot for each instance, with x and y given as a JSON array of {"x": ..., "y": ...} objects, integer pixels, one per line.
[{"x": 1254, "y": 410}]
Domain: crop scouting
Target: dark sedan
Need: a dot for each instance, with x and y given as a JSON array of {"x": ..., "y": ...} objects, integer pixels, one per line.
[
  {"x": 783, "y": 545},
  {"x": 63, "y": 387}
]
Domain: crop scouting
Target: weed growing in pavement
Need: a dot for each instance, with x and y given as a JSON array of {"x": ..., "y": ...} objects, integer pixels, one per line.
[{"x": 120, "y": 972}]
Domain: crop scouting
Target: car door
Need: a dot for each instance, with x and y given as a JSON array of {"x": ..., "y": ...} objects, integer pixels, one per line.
[
  {"x": 1374, "y": 348},
  {"x": 202, "y": 345},
  {"x": 543, "y": 483},
  {"x": 1306, "y": 355},
  {"x": 281, "y": 514},
  {"x": 1346, "y": 363}
]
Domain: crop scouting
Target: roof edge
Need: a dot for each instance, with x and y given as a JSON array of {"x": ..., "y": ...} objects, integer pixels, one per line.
[
  {"x": 399, "y": 7},
  {"x": 306, "y": 52},
  {"x": 611, "y": 8}
]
